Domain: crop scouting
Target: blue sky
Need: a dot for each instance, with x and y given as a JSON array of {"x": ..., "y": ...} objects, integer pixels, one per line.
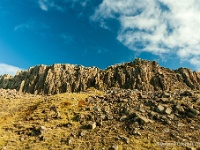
[{"x": 98, "y": 32}]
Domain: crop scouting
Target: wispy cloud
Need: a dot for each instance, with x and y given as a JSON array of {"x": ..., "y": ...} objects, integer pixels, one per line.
[
  {"x": 48, "y": 4},
  {"x": 22, "y": 27},
  {"x": 8, "y": 69},
  {"x": 60, "y": 5},
  {"x": 67, "y": 38},
  {"x": 31, "y": 25},
  {"x": 43, "y": 5},
  {"x": 156, "y": 26}
]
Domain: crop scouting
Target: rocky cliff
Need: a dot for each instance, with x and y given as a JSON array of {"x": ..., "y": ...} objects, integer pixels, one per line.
[{"x": 138, "y": 74}]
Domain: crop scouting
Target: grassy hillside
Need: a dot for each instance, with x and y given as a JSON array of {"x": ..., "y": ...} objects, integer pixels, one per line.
[{"x": 64, "y": 121}]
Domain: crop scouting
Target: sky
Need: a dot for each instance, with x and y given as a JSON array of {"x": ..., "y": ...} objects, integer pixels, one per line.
[{"x": 98, "y": 33}]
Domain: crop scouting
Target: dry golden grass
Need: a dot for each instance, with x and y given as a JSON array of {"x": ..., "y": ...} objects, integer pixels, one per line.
[{"x": 19, "y": 116}]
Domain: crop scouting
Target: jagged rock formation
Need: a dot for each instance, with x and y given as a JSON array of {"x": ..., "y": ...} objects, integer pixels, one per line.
[{"x": 138, "y": 74}]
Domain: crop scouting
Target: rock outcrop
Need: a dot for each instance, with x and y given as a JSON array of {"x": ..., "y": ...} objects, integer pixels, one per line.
[{"x": 139, "y": 74}]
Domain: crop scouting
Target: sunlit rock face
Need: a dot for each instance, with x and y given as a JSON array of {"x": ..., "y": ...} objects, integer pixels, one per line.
[{"x": 139, "y": 74}]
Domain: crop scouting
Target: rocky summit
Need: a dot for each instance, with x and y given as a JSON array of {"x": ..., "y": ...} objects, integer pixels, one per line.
[
  {"x": 132, "y": 106},
  {"x": 139, "y": 74}
]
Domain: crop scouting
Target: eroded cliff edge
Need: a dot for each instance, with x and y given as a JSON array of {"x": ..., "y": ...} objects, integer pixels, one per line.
[{"x": 138, "y": 74}]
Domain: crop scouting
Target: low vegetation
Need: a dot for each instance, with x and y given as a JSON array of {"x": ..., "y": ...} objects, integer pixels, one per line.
[{"x": 70, "y": 121}]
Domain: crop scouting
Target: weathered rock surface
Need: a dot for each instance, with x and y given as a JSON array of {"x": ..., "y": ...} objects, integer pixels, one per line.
[{"x": 139, "y": 74}]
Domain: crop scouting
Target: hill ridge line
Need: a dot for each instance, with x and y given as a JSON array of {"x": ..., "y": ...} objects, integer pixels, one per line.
[{"x": 138, "y": 74}]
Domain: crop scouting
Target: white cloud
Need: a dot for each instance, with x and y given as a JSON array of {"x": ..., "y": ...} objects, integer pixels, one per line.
[
  {"x": 8, "y": 69},
  {"x": 67, "y": 38},
  {"x": 156, "y": 26},
  {"x": 196, "y": 62},
  {"x": 43, "y": 5},
  {"x": 21, "y": 27},
  {"x": 31, "y": 25},
  {"x": 60, "y": 5},
  {"x": 47, "y": 4}
]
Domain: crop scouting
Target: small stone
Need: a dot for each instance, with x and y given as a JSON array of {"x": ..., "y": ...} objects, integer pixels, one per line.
[
  {"x": 152, "y": 115},
  {"x": 69, "y": 140},
  {"x": 191, "y": 127},
  {"x": 124, "y": 139},
  {"x": 99, "y": 123},
  {"x": 165, "y": 100},
  {"x": 109, "y": 117},
  {"x": 140, "y": 119},
  {"x": 43, "y": 129},
  {"x": 198, "y": 101},
  {"x": 90, "y": 99},
  {"x": 160, "y": 108},
  {"x": 123, "y": 118},
  {"x": 4, "y": 148},
  {"x": 92, "y": 125},
  {"x": 142, "y": 109},
  {"x": 41, "y": 138},
  {"x": 180, "y": 109},
  {"x": 168, "y": 122},
  {"x": 136, "y": 132},
  {"x": 83, "y": 133},
  {"x": 123, "y": 100},
  {"x": 58, "y": 115},
  {"x": 103, "y": 117},
  {"x": 97, "y": 109},
  {"x": 144, "y": 96},
  {"x": 194, "y": 111},
  {"x": 187, "y": 93},
  {"x": 143, "y": 120},
  {"x": 190, "y": 114},
  {"x": 190, "y": 148},
  {"x": 166, "y": 95},
  {"x": 168, "y": 110},
  {"x": 114, "y": 147},
  {"x": 171, "y": 116},
  {"x": 21, "y": 139}
]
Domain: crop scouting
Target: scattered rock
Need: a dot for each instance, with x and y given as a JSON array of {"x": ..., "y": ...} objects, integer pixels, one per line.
[
  {"x": 160, "y": 108},
  {"x": 123, "y": 118},
  {"x": 166, "y": 94},
  {"x": 194, "y": 111},
  {"x": 41, "y": 138},
  {"x": 119, "y": 111},
  {"x": 114, "y": 147},
  {"x": 21, "y": 139},
  {"x": 69, "y": 140},
  {"x": 135, "y": 117},
  {"x": 4, "y": 148},
  {"x": 109, "y": 116},
  {"x": 83, "y": 133},
  {"x": 171, "y": 116},
  {"x": 42, "y": 129},
  {"x": 180, "y": 109},
  {"x": 124, "y": 139},
  {"x": 191, "y": 148},
  {"x": 187, "y": 93},
  {"x": 142, "y": 109},
  {"x": 180, "y": 124},
  {"x": 136, "y": 132},
  {"x": 92, "y": 125},
  {"x": 168, "y": 110}
]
